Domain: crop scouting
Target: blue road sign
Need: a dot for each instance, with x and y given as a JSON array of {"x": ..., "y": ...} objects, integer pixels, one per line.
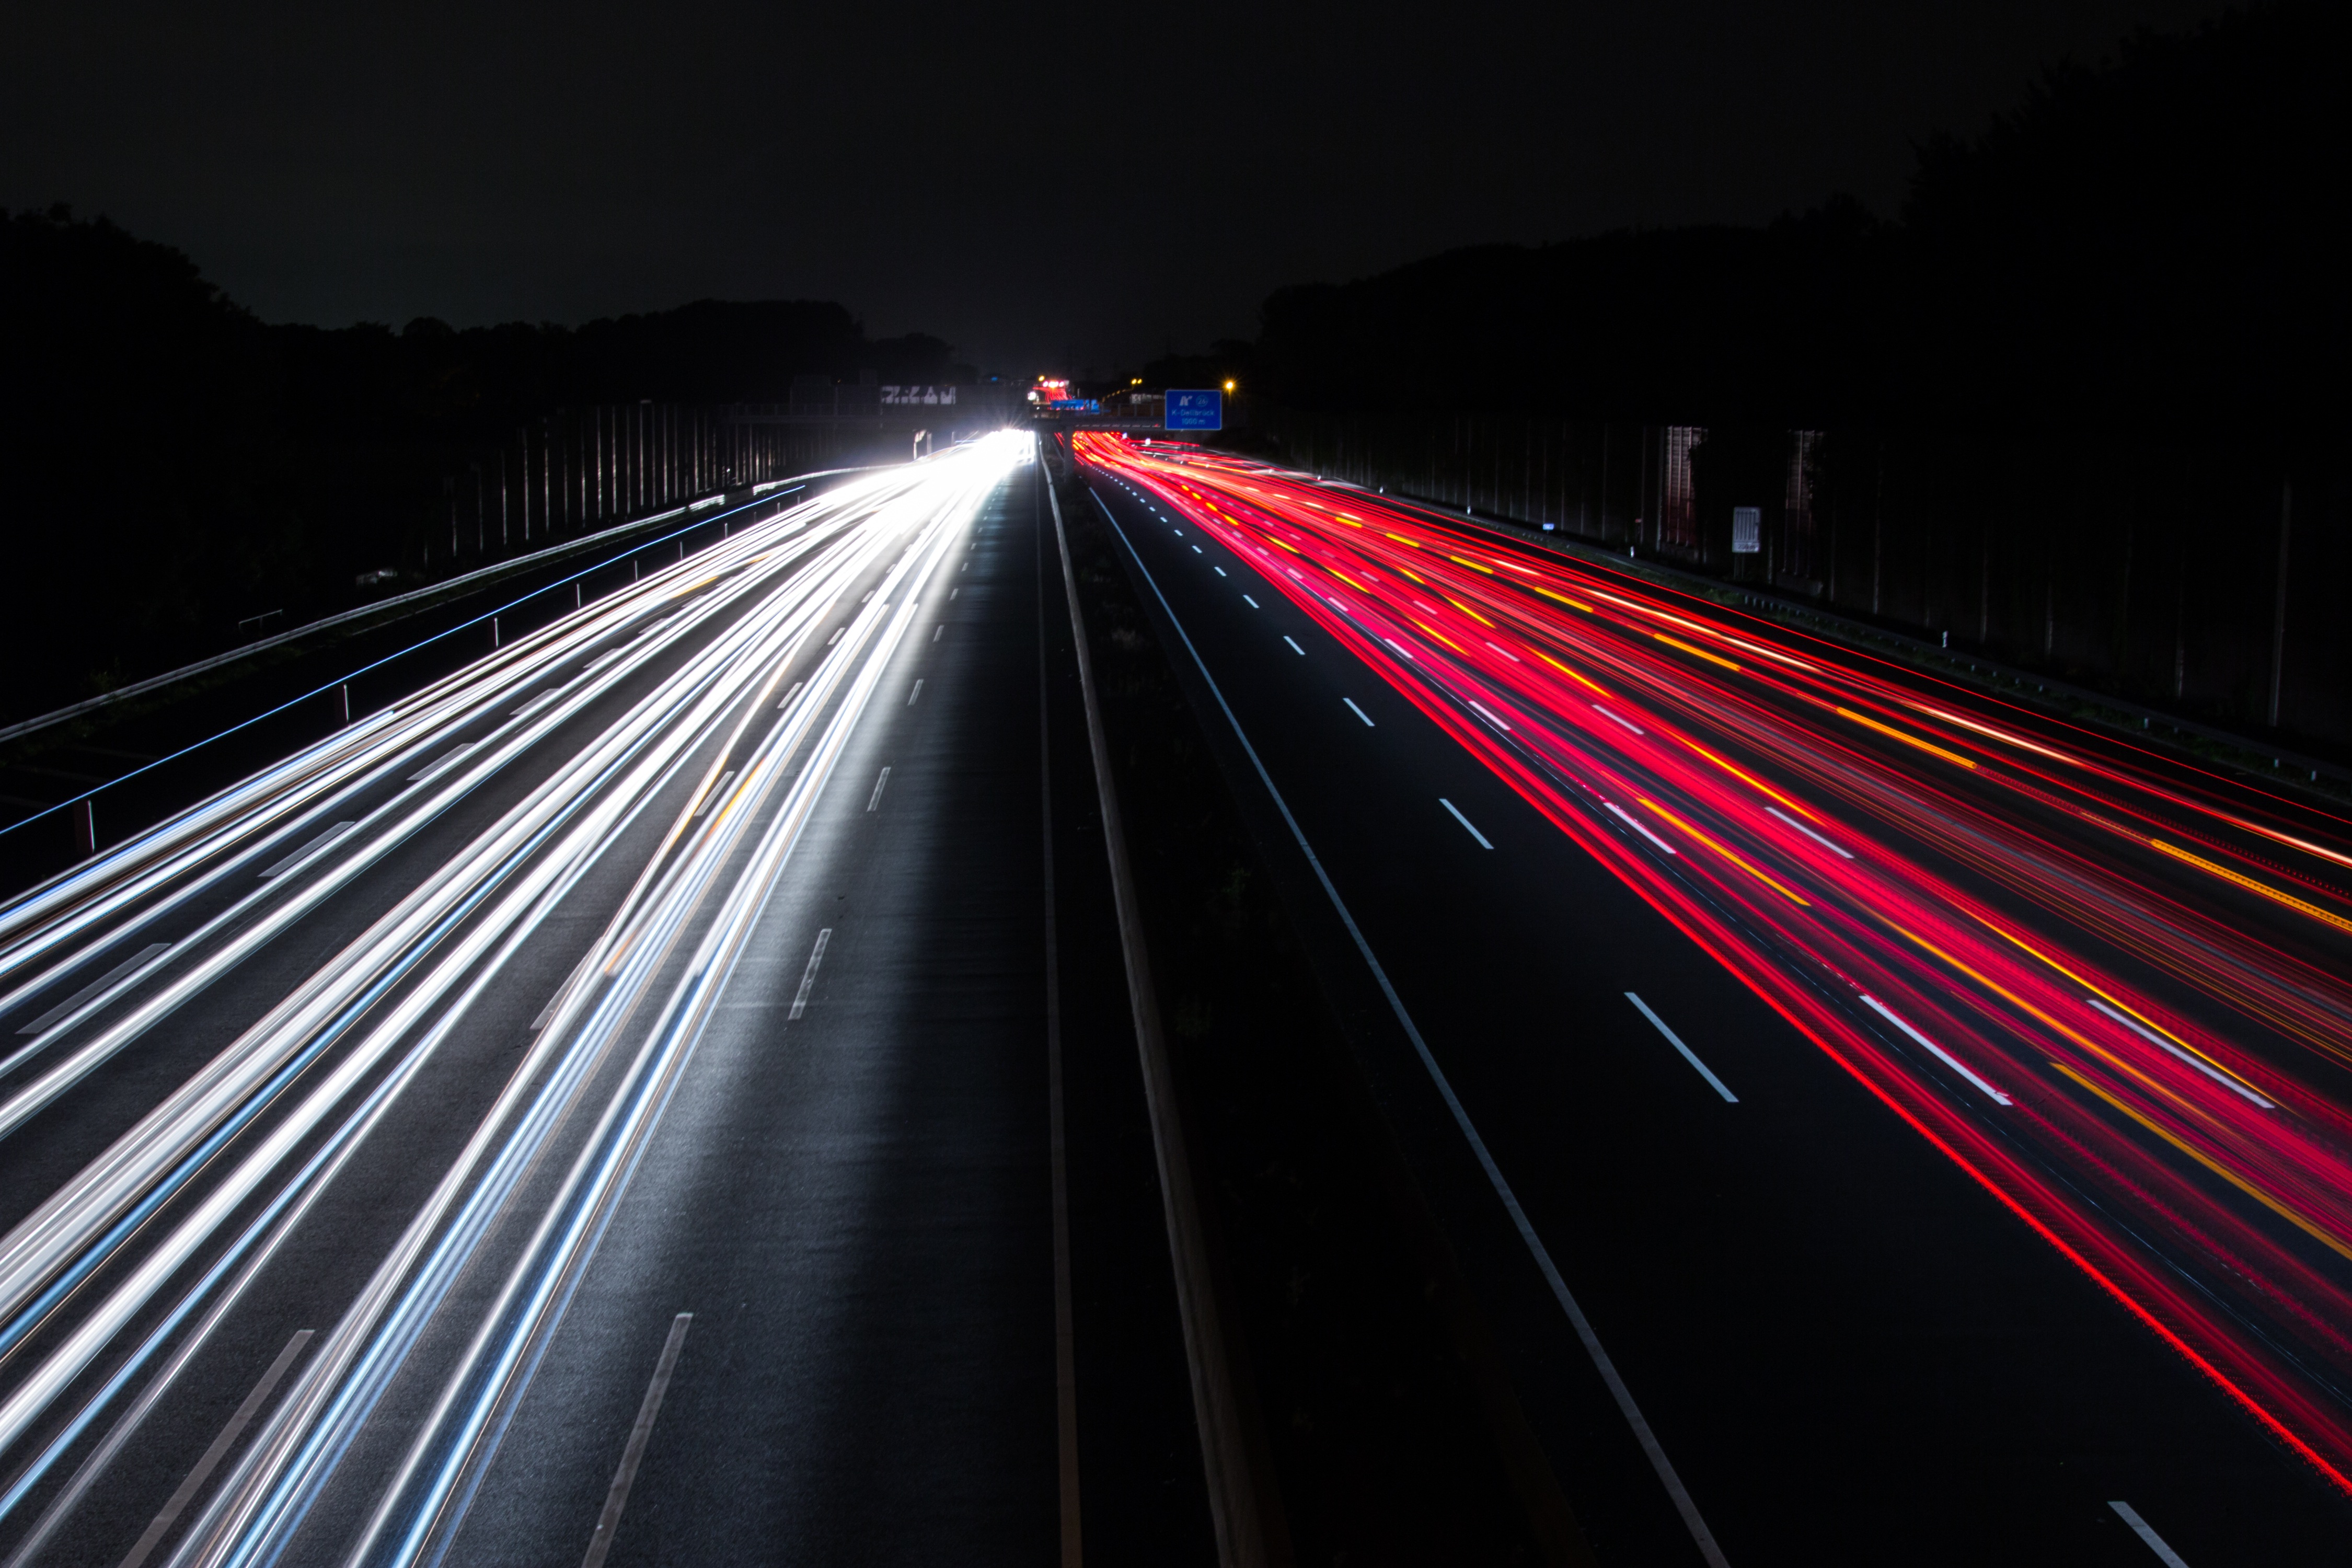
[
  {"x": 1074, "y": 405},
  {"x": 1194, "y": 410}
]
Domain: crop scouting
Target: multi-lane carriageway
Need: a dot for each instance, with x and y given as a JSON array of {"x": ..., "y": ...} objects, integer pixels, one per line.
[
  {"x": 595, "y": 1105},
  {"x": 1888, "y": 1124}
]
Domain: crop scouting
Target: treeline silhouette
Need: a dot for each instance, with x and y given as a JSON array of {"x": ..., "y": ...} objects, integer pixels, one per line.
[
  {"x": 171, "y": 465},
  {"x": 2157, "y": 241}
]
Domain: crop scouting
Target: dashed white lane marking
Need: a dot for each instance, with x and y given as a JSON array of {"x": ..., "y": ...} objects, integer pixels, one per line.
[
  {"x": 93, "y": 988},
  {"x": 1295, "y": 648},
  {"x": 878, "y": 784},
  {"x": 835, "y": 636},
  {"x": 1833, "y": 848},
  {"x": 633, "y": 1454},
  {"x": 808, "y": 976},
  {"x": 1253, "y": 604},
  {"x": 1627, "y": 819},
  {"x": 1465, "y": 821},
  {"x": 2146, "y": 1532},
  {"x": 1688, "y": 1055},
  {"x": 1218, "y": 570},
  {"x": 320, "y": 842},
  {"x": 717, "y": 793},
  {"x": 938, "y": 631},
  {"x": 429, "y": 769},
  {"x": 2152, "y": 1038},
  {"x": 915, "y": 693},
  {"x": 1198, "y": 551},
  {"x": 1490, "y": 718},
  {"x": 535, "y": 704},
  {"x": 1357, "y": 711},
  {"x": 795, "y": 691},
  {"x": 953, "y": 592},
  {"x": 1941, "y": 1055},
  {"x": 1627, "y": 722}
]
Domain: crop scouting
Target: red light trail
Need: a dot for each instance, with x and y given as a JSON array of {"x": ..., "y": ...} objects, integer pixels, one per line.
[{"x": 2108, "y": 986}]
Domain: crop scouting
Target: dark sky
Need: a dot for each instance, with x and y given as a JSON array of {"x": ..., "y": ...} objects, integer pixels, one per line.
[{"x": 1035, "y": 182}]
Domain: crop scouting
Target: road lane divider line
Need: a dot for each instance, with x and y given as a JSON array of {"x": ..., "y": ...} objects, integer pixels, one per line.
[
  {"x": 808, "y": 976},
  {"x": 1940, "y": 1054},
  {"x": 2192, "y": 1058},
  {"x": 641, "y": 1433},
  {"x": 1484, "y": 712},
  {"x": 1614, "y": 718},
  {"x": 795, "y": 691},
  {"x": 41, "y": 1023},
  {"x": 1253, "y": 604},
  {"x": 320, "y": 843},
  {"x": 445, "y": 759},
  {"x": 1628, "y": 819},
  {"x": 177, "y": 1504},
  {"x": 1295, "y": 647},
  {"x": 1668, "y": 1477},
  {"x": 875, "y": 801},
  {"x": 1688, "y": 1055},
  {"x": 915, "y": 693},
  {"x": 1357, "y": 711},
  {"x": 536, "y": 703},
  {"x": 938, "y": 631},
  {"x": 1465, "y": 821},
  {"x": 2146, "y": 1532},
  {"x": 1826, "y": 844},
  {"x": 718, "y": 792}
]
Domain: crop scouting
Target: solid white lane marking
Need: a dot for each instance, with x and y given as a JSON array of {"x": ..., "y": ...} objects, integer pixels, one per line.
[
  {"x": 93, "y": 988},
  {"x": 178, "y": 1502},
  {"x": 1627, "y": 819},
  {"x": 1941, "y": 1055},
  {"x": 1833, "y": 848},
  {"x": 2146, "y": 1532},
  {"x": 535, "y": 704},
  {"x": 429, "y": 769},
  {"x": 329, "y": 836},
  {"x": 1357, "y": 711},
  {"x": 1489, "y": 717},
  {"x": 1627, "y": 722},
  {"x": 1652, "y": 1449},
  {"x": 878, "y": 785},
  {"x": 1295, "y": 648},
  {"x": 835, "y": 636},
  {"x": 640, "y": 1435},
  {"x": 915, "y": 693},
  {"x": 717, "y": 793},
  {"x": 808, "y": 978},
  {"x": 1688, "y": 1055},
  {"x": 1253, "y": 604},
  {"x": 2200, "y": 1063},
  {"x": 1465, "y": 822},
  {"x": 795, "y": 691},
  {"x": 938, "y": 631}
]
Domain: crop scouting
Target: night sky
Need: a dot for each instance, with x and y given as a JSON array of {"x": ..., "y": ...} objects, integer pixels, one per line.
[{"x": 1040, "y": 184}]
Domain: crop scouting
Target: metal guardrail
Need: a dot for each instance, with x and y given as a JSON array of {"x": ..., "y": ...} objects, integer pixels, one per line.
[{"x": 708, "y": 512}]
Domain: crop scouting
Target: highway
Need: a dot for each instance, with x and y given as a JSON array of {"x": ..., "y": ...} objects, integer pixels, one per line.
[
  {"x": 594, "y": 1108},
  {"x": 1884, "y": 1123}
]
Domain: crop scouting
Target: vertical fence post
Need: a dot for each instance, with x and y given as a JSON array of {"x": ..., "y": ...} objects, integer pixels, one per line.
[
  {"x": 85, "y": 826},
  {"x": 346, "y": 689}
]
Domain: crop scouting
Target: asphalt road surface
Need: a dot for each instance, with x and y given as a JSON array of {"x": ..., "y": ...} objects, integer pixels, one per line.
[
  {"x": 1883, "y": 1124},
  {"x": 593, "y": 1110}
]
